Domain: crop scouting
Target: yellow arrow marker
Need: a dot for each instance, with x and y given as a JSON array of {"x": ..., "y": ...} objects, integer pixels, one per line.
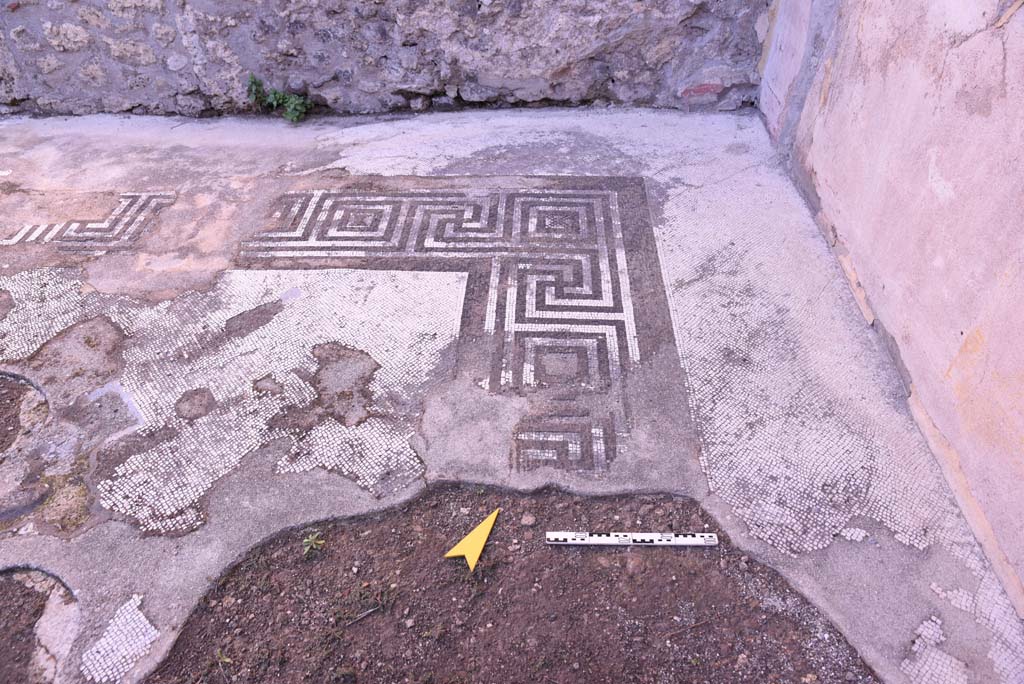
[{"x": 472, "y": 545}]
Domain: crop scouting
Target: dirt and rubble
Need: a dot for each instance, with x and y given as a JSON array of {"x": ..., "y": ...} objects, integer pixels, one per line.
[{"x": 378, "y": 603}]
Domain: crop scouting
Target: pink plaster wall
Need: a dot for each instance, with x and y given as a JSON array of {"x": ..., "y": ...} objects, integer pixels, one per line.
[{"x": 912, "y": 137}]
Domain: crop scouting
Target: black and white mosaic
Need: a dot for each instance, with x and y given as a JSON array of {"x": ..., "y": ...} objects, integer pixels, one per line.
[
  {"x": 129, "y": 219},
  {"x": 532, "y": 277},
  {"x": 558, "y": 313}
]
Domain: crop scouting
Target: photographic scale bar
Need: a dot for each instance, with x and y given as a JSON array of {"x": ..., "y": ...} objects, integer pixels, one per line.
[{"x": 633, "y": 538}]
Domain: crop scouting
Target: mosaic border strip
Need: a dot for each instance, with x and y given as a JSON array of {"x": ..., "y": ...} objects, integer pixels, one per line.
[
  {"x": 559, "y": 310},
  {"x": 129, "y": 219}
]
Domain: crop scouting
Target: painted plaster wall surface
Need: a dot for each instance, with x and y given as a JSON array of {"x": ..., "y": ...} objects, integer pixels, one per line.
[
  {"x": 195, "y": 56},
  {"x": 905, "y": 118}
]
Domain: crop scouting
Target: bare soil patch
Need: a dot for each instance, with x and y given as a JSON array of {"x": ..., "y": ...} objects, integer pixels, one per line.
[
  {"x": 20, "y": 608},
  {"x": 378, "y": 603}
]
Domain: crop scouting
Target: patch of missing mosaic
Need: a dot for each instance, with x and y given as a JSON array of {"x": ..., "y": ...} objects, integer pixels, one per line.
[
  {"x": 210, "y": 377},
  {"x": 20, "y": 405},
  {"x": 43, "y": 472},
  {"x": 788, "y": 439},
  {"x": 342, "y": 427},
  {"x": 23, "y": 408},
  {"x": 78, "y": 359},
  {"x": 989, "y": 607},
  {"x": 127, "y": 638}
]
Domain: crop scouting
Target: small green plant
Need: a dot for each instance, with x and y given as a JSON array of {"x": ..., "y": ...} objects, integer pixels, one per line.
[
  {"x": 257, "y": 94},
  {"x": 312, "y": 543},
  {"x": 275, "y": 99},
  {"x": 292, "y": 107},
  {"x": 296, "y": 107}
]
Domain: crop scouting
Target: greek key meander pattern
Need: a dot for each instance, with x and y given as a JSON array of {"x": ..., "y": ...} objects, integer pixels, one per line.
[
  {"x": 126, "y": 222},
  {"x": 559, "y": 306}
]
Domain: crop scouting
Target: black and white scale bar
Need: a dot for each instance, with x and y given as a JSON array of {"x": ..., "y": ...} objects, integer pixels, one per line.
[{"x": 633, "y": 538}]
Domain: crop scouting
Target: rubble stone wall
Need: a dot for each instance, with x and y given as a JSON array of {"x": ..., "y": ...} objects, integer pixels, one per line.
[{"x": 195, "y": 56}]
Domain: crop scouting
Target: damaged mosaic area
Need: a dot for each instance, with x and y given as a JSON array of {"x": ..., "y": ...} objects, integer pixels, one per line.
[
  {"x": 128, "y": 220},
  {"x": 802, "y": 443},
  {"x": 213, "y": 376}
]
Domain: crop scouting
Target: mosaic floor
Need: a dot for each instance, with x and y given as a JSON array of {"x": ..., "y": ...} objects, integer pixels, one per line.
[
  {"x": 202, "y": 387},
  {"x": 247, "y": 338},
  {"x": 550, "y": 260}
]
